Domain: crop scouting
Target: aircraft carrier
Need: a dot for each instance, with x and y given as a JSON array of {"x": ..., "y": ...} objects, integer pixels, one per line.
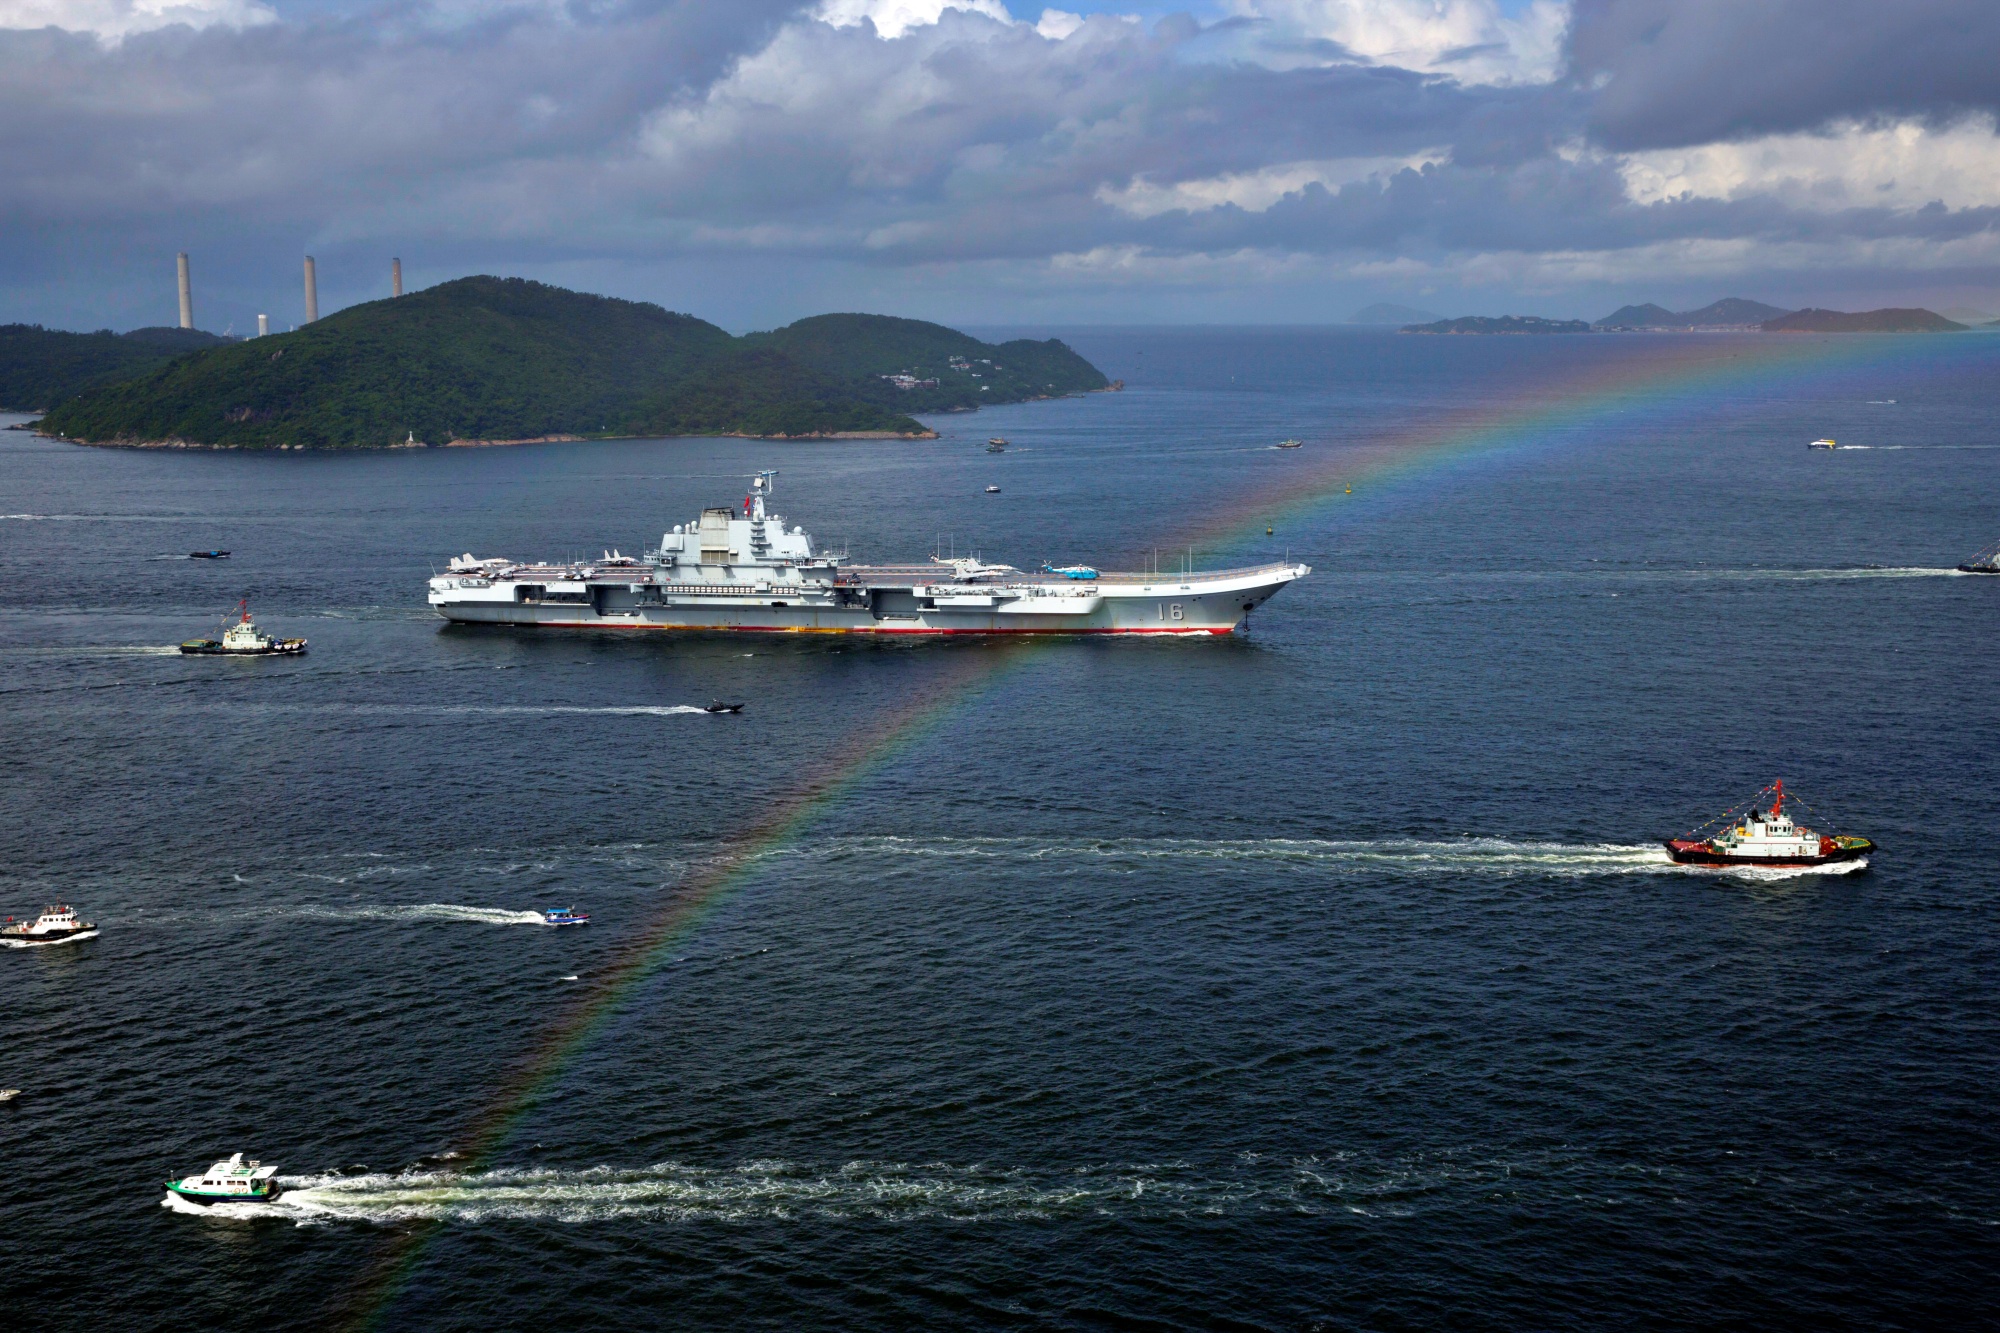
[{"x": 744, "y": 570}]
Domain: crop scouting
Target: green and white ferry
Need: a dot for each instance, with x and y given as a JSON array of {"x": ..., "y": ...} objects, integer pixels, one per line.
[{"x": 233, "y": 1181}]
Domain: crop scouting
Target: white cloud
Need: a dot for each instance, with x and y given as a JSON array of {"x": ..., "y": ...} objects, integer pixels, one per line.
[
  {"x": 1057, "y": 24},
  {"x": 1257, "y": 191},
  {"x": 893, "y": 18},
  {"x": 1901, "y": 166},
  {"x": 113, "y": 20},
  {"x": 1470, "y": 40}
]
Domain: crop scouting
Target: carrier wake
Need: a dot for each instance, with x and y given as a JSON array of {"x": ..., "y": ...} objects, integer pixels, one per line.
[{"x": 747, "y": 571}]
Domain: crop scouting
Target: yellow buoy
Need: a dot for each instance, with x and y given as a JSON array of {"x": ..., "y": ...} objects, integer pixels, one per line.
[{"x": 1267, "y": 531}]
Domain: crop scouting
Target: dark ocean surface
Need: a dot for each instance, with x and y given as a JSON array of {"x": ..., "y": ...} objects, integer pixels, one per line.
[{"x": 1323, "y": 977}]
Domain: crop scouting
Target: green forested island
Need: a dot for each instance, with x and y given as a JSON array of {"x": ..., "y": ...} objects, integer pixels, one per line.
[
  {"x": 502, "y": 359},
  {"x": 1501, "y": 324}
]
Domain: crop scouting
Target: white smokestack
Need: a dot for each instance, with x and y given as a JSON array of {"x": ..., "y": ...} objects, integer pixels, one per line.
[
  {"x": 187, "y": 294},
  {"x": 263, "y": 326},
  {"x": 396, "y": 277},
  {"x": 312, "y": 292}
]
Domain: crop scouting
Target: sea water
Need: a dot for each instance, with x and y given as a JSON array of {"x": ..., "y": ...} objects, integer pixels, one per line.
[{"x": 1326, "y": 976}]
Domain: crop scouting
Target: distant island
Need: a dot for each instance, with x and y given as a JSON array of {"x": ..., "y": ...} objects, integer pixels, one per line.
[
  {"x": 1867, "y": 321},
  {"x": 1385, "y": 312},
  {"x": 1732, "y": 313},
  {"x": 487, "y": 360},
  {"x": 1501, "y": 324}
]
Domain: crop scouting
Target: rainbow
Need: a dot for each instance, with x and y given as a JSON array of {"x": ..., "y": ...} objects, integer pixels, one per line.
[
  {"x": 1536, "y": 416},
  {"x": 1681, "y": 375}
]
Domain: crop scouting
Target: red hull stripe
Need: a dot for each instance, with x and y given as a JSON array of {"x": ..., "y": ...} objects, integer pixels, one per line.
[{"x": 809, "y": 629}]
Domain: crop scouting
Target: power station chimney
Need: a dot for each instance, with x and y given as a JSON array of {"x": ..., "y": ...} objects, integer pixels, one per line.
[
  {"x": 396, "y": 277},
  {"x": 263, "y": 326},
  {"x": 312, "y": 292},
  {"x": 187, "y": 294}
]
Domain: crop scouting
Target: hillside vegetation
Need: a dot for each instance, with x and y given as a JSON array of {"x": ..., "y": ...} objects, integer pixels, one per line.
[
  {"x": 505, "y": 359},
  {"x": 1731, "y": 312},
  {"x": 1866, "y": 321},
  {"x": 969, "y": 373},
  {"x": 41, "y": 367}
]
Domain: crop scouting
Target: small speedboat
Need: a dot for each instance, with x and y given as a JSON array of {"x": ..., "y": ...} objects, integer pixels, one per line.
[
  {"x": 993, "y": 490},
  {"x": 718, "y": 706},
  {"x": 1766, "y": 837},
  {"x": 243, "y": 639},
  {"x": 564, "y": 916},
  {"x": 208, "y": 555},
  {"x": 996, "y": 445},
  {"x": 57, "y": 924},
  {"x": 1822, "y": 444},
  {"x": 9, "y": 1094},
  {"x": 1291, "y": 444},
  {"x": 233, "y": 1181}
]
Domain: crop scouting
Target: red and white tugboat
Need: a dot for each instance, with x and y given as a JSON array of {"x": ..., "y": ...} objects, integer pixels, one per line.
[{"x": 1767, "y": 837}]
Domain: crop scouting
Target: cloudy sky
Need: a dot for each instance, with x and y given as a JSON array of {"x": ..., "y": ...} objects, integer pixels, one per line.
[{"x": 993, "y": 161}]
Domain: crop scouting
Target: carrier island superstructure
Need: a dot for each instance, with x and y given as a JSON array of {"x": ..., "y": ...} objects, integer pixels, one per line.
[{"x": 745, "y": 570}]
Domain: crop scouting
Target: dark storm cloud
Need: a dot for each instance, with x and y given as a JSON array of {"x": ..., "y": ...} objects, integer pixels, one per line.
[
  {"x": 502, "y": 135},
  {"x": 1673, "y": 72},
  {"x": 303, "y": 121}
]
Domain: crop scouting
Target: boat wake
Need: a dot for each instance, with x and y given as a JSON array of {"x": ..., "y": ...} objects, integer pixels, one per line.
[
  {"x": 415, "y": 912},
  {"x": 1409, "y": 855},
  {"x": 491, "y": 710},
  {"x": 887, "y": 1191}
]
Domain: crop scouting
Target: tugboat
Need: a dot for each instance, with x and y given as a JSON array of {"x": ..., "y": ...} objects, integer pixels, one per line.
[
  {"x": 564, "y": 916},
  {"x": 1767, "y": 838},
  {"x": 244, "y": 640},
  {"x": 1986, "y": 562},
  {"x": 56, "y": 925},
  {"x": 233, "y": 1181}
]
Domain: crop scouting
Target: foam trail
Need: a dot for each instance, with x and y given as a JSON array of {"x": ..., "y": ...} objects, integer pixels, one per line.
[
  {"x": 94, "y": 650},
  {"x": 1476, "y": 856},
  {"x": 488, "y": 710},
  {"x": 114, "y": 518},
  {"x": 414, "y": 912},
  {"x": 777, "y": 1190}
]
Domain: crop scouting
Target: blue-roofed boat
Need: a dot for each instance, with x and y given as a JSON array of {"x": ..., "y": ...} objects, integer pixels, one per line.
[{"x": 564, "y": 916}]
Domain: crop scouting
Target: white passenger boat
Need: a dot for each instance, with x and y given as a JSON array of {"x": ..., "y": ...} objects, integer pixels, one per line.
[
  {"x": 58, "y": 924},
  {"x": 232, "y": 1181},
  {"x": 748, "y": 571}
]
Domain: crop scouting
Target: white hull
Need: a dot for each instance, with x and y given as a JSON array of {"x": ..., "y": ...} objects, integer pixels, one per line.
[{"x": 43, "y": 941}]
